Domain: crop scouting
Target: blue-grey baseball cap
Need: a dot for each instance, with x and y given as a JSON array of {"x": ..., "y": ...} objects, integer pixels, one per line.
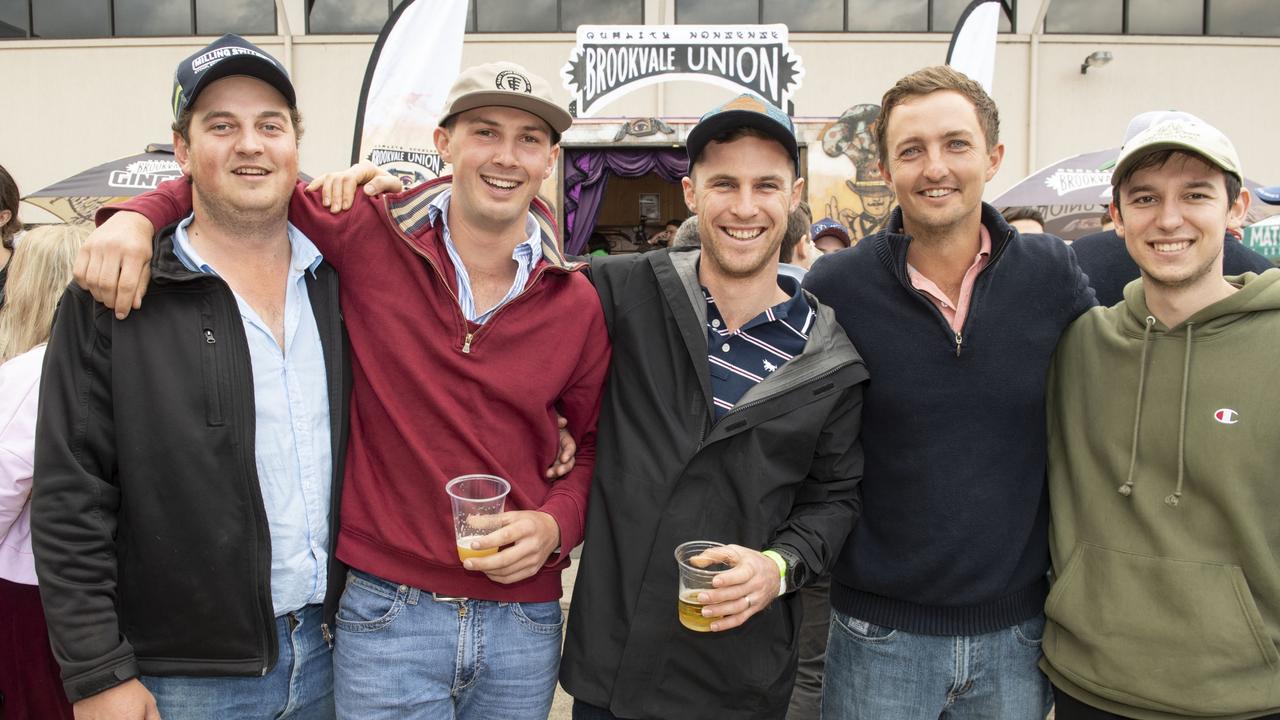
[
  {"x": 746, "y": 110},
  {"x": 228, "y": 55}
]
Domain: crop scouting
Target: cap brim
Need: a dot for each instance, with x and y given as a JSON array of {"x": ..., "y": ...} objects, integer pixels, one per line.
[
  {"x": 557, "y": 117},
  {"x": 1145, "y": 150},
  {"x": 249, "y": 66},
  {"x": 702, "y": 133},
  {"x": 832, "y": 232}
]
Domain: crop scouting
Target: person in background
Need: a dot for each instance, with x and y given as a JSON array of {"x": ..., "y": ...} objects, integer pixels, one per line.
[
  {"x": 598, "y": 244},
  {"x": 41, "y": 268},
  {"x": 1104, "y": 259},
  {"x": 664, "y": 237},
  {"x": 1024, "y": 219},
  {"x": 9, "y": 224},
  {"x": 1105, "y": 223},
  {"x": 797, "y": 252},
  {"x": 829, "y": 236}
]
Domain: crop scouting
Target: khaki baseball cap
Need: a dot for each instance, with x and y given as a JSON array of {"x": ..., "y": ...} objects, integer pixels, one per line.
[
  {"x": 505, "y": 84},
  {"x": 1192, "y": 135}
]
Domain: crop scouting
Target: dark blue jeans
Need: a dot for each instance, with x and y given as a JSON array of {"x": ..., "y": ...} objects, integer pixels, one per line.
[{"x": 873, "y": 673}]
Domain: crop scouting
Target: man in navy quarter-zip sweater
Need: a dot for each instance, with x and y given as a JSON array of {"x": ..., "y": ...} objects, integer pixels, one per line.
[{"x": 938, "y": 594}]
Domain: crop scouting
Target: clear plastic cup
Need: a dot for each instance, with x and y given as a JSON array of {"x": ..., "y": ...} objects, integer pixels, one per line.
[
  {"x": 476, "y": 500},
  {"x": 693, "y": 580}
]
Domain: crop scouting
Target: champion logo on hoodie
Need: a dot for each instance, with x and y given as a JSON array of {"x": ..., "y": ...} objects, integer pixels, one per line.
[{"x": 1227, "y": 416}]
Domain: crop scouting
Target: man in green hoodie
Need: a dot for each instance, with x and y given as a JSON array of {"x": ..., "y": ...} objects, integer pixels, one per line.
[{"x": 1162, "y": 459}]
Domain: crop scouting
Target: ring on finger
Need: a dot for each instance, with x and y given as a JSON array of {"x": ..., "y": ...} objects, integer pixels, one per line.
[{"x": 749, "y": 601}]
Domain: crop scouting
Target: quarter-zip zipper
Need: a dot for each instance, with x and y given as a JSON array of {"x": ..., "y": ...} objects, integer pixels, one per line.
[
  {"x": 958, "y": 336},
  {"x": 471, "y": 336}
]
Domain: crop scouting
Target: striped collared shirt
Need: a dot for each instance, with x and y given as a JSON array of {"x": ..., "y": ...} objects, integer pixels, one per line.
[
  {"x": 741, "y": 359},
  {"x": 527, "y": 255}
]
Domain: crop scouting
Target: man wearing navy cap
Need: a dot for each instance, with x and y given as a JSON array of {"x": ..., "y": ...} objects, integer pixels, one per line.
[
  {"x": 188, "y": 459},
  {"x": 732, "y": 415},
  {"x": 829, "y": 236}
]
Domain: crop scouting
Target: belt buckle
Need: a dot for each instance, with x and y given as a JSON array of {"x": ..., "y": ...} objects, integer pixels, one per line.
[{"x": 436, "y": 597}]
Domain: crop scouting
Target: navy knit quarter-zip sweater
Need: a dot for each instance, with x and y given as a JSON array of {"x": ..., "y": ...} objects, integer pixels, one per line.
[{"x": 953, "y": 538}]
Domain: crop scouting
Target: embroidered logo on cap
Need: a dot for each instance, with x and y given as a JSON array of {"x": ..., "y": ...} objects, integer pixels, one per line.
[
  {"x": 514, "y": 81},
  {"x": 1227, "y": 416}
]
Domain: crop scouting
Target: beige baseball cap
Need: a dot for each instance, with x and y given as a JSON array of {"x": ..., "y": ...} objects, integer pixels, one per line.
[
  {"x": 1180, "y": 133},
  {"x": 505, "y": 84}
]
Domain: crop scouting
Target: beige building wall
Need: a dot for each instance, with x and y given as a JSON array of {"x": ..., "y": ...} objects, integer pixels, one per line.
[{"x": 77, "y": 103}]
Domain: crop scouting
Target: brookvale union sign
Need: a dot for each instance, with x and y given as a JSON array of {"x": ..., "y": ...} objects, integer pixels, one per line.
[{"x": 612, "y": 60}]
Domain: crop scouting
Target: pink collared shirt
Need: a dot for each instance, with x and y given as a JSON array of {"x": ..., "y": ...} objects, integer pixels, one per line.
[{"x": 955, "y": 311}]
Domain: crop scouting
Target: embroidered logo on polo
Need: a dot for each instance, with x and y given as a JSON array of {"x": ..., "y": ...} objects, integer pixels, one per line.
[
  {"x": 514, "y": 81},
  {"x": 1227, "y": 416}
]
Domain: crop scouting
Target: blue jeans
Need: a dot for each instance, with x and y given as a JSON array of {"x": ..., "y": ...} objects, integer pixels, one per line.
[
  {"x": 298, "y": 687},
  {"x": 875, "y": 672},
  {"x": 402, "y": 654}
]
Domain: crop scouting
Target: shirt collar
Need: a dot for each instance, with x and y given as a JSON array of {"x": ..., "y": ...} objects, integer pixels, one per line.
[
  {"x": 794, "y": 304},
  {"x": 527, "y": 252},
  {"x": 303, "y": 254}
]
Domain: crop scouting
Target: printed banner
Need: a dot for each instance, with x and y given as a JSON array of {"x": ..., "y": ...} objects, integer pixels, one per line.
[
  {"x": 610, "y": 61},
  {"x": 414, "y": 62}
]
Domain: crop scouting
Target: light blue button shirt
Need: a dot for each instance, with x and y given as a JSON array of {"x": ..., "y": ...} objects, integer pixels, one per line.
[
  {"x": 292, "y": 439},
  {"x": 527, "y": 254}
]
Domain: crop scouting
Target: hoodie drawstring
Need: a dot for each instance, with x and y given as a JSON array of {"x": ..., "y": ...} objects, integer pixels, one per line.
[
  {"x": 1127, "y": 488},
  {"x": 1172, "y": 500}
]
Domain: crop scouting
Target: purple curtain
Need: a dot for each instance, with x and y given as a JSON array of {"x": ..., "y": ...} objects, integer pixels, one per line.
[{"x": 587, "y": 173}]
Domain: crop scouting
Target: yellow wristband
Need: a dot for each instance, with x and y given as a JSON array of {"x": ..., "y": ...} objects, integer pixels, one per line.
[{"x": 782, "y": 569}]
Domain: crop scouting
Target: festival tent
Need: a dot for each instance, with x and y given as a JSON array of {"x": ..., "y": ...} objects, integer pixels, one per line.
[{"x": 1074, "y": 192}]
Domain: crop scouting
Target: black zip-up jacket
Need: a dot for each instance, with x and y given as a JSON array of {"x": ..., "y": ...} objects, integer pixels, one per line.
[
  {"x": 148, "y": 526},
  {"x": 779, "y": 470}
]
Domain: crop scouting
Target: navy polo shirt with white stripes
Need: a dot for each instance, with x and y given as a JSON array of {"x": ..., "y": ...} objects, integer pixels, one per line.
[{"x": 744, "y": 358}]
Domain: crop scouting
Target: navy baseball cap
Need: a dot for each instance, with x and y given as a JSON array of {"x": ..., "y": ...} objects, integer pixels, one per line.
[
  {"x": 746, "y": 110},
  {"x": 228, "y": 55},
  {"x": 1269, "y": 195},
  {"x": 830, "y": 227}
]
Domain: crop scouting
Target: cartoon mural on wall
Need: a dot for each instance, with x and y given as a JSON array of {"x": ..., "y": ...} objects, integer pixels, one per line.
[{"x": 844, "y": 178}]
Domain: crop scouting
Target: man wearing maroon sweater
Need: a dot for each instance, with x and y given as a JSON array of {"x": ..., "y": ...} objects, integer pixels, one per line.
[{"x": 455, "y": 296}]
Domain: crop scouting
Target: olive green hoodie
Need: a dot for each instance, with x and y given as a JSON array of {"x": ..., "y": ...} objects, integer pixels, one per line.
[{"x": 1164, "y": 481}]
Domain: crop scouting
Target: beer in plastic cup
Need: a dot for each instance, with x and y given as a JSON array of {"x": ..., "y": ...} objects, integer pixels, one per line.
[
  {"x": 476, "y": 500},
  {"x": 694, "y": 580}
]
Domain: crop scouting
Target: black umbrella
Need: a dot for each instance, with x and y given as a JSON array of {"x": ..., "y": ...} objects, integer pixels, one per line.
[{"x": 78, "y": 197}]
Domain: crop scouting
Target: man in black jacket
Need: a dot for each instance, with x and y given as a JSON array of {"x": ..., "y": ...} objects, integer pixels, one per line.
[
  {"x": 937, "y": 598},
  {"x": 731, "y": 414},
  {"x": 188, "y": 459}
]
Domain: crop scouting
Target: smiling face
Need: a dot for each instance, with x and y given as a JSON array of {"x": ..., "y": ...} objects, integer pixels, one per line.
[
  {"x": 243, "y": 151},
  {"x": 743, "y": 192},
  {"x": 500, "y": 157},
  {"x": 1173, "y": 218},
  {"x": 938, "y": 162}
]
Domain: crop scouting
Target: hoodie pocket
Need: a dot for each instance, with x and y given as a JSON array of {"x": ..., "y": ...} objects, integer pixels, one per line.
[{"x": 1176, "y": 636}]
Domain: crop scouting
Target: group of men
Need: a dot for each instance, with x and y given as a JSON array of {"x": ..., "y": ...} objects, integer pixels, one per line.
[{"x": 239, "y": 513}]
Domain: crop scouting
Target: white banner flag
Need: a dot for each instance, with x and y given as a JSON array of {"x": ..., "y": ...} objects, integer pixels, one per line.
[
  {"x": 973, "y": 43},
  {"x": 415, "y": 61}
]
